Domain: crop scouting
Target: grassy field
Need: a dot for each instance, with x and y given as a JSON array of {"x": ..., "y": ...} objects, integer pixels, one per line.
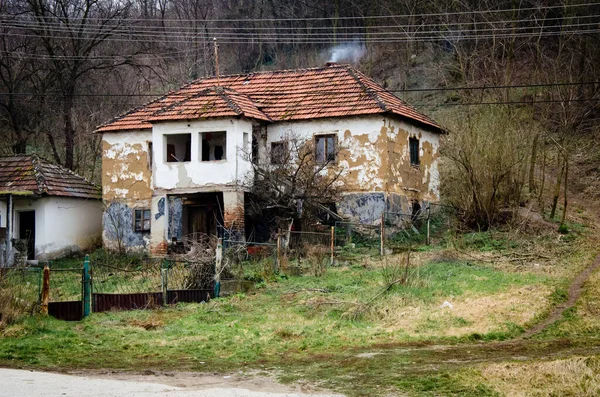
[{"x": 347, "y": 324}]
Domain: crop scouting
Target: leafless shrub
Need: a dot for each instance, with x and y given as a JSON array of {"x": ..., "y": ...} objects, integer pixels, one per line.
[
  {"x": 485, "y": 171},
  {"x": 317, "y": 257},
  {"x": 12, "y": 302}
]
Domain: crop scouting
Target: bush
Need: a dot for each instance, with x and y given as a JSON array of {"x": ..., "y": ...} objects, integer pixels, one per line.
[{"x": 485, "y": 168}]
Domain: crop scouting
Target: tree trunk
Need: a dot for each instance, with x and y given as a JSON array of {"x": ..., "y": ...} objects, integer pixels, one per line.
[
  {"x": 557, "y": 191},
  {"x": 69, "y": 131},
  {"x": 564, "y": 212},
  {"x": 534, "y": 146},
  {"x": 543, "y": 183}
]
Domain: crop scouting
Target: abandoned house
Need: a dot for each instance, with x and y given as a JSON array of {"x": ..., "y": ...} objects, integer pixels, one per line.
[
  {"x": 46, "y": 211},
  {"x": 177, "y": 165}
]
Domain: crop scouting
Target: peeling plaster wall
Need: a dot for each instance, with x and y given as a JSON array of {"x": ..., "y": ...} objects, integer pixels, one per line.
[
  {"x": 419, "y": 183},
  {"x": 126, "y": 174},
  {"x": 208, "y": 175},
  {"x": 62, "y": 224},
  {"x": 117, "y": 221},
  {"x": 176, "y": 218},
  {"x": 375, "y": 158}
]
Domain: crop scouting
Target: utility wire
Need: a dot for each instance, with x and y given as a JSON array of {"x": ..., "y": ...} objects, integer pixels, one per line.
[
  {"x": 330, "y": 92},
  {"x": 163, "y": 30},
  {"x": 343, "y": 18},
  {"x": 447, "y": 36}
]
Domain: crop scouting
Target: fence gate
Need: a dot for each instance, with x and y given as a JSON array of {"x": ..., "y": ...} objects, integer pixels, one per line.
[
  {"x": 155, "y": 282},
  {"x": 66, "y": 294}
]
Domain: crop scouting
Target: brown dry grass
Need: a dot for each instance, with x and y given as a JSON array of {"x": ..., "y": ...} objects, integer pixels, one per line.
[
  {"x": 578, "y": 376},
  {"x": 469, "y": 314}
]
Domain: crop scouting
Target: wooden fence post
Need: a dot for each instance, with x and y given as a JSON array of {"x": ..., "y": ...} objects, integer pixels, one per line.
[
  {"x": 332, "y": 243},
  {"x": 218, "y": 267},
  {"x": 45, "y": 289},
  {"x": 87, "y": 290}
]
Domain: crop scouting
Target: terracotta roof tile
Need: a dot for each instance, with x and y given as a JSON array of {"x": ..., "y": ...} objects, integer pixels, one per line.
[
  {"x": 302, "y": 94},
  {"x": 31, "y": 175}
]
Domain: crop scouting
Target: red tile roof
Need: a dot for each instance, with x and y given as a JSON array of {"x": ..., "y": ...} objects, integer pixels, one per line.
[
  {"x": 303, "y": 94},
  {"x": 31, "y": 175}
]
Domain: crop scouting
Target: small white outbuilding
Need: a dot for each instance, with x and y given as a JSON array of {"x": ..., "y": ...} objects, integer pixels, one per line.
[{"x": 46, "y": 211}]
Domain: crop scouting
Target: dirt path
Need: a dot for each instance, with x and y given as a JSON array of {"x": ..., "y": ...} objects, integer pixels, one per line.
[
  {"x": 24, "y": 383},
  {"x": 575, "y": 290}
]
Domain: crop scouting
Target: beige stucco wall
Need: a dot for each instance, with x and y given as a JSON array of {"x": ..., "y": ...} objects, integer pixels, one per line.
[{"x": 375, "y": 155}]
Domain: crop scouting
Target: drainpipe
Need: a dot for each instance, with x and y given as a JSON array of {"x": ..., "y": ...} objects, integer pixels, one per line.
[{"x": 9, "y": 218}]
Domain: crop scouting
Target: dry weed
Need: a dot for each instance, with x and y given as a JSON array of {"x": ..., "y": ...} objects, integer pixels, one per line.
[
  {"x": 150, "y": 324},
  {"x": 468, "y": 315},
  {"x": 579, "y": 376}
]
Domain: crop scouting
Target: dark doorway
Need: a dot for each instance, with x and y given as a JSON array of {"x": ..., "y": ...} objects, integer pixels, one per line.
[
  {"x": 201, "y": 219},
  {"x": 202, "y": 214},
  {"x": 27, "y": 231}
]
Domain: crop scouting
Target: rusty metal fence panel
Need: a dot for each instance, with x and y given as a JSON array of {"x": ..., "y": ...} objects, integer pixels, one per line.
[{"x": 106, "y": 302}]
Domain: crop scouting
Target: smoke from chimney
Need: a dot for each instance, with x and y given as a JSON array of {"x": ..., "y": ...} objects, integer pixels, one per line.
[{"x": 348, "y": 52}]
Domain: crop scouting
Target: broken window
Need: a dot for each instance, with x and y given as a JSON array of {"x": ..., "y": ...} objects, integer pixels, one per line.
[
  {"x": 150, "y": 155},
  {"x": 325, "y": 148},
  {"x": 141, "y": 220},
  {"x": 214, "y": 146},
  {"x": 277, "y": 152},
  {"x": 179, "y": 148},
  {"x": 413, "y": 144}
]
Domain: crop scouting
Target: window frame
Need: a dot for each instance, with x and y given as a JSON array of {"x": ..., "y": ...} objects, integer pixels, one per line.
[
  {"x": 414, "y": 152},
  {"x": 326, "y": 159},
  {"x": 187, "y": 155},
  {"x": 142, "y": 219},
  {"x": 281, "y": 158},
  {"x": 211, "y": 148}
]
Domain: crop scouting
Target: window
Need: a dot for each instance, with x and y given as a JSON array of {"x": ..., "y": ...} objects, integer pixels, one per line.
[
  {"x": 141, "y": 220},
  {"x": 413, "y": 144},
  {"x": 214, "y": 146},
  {"x": 277, "y": 152},
  {"x": 325, "y": 148},
  {"x": 150, "y": 154},
  {"x": 178, "y": 148}
]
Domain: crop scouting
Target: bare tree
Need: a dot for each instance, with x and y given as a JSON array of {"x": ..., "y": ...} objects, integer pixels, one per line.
[
  {"x": 72, "y": 33},
  {"x": 295, "y": 179}
]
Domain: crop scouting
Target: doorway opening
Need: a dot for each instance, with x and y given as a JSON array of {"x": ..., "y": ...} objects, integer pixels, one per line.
[{"x": 27, "y": 231}]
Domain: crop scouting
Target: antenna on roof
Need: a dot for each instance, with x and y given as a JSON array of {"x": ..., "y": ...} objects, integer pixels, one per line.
[{"x": 217, "y": 61}]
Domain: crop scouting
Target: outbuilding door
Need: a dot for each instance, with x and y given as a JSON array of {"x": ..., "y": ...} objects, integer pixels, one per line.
[{"x": 27, "y": 231}]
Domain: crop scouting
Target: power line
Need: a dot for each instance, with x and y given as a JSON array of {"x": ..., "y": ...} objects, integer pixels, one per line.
[
  {"x": 333, "y": 92},
  {"x": 142, "y": 29},
  {"x": 343, "y": 18},
  {"x": 447, "y": 36},
  {"x": 317, "y": 35}
]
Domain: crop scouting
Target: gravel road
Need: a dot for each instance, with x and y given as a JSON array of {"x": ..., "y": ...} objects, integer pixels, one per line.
[{"x": 23, "y": 383}]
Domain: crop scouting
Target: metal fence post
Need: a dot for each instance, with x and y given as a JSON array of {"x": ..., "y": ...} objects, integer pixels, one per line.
[
  {"x": 218, "y": 266},
  {"x": 428, "y": 221},
  {"x": 382, "y": 234},
  {"x": 87, "y": 290},
  {"x": 164, "y": 281},
  {"x": 332, "y": 243}
]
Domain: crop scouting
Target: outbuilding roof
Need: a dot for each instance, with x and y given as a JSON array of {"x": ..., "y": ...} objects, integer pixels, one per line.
[
  {"x": 32, "y": 175},
  {"x": 300, "y": 94}
]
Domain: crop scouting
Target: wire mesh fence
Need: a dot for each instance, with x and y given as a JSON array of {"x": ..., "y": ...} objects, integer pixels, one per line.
[
  {"x": 187, "y": 275},
  {"x": 21, "y": 286},
  {"x": 357, "y": 237},
  {"x": 138, "y": 278},
  {"x": 65, "y": 284}
]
